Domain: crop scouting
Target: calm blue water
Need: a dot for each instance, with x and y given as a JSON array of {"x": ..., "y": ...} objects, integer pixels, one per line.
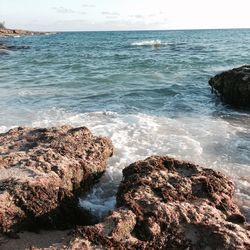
[{"x": 148, "y": 91}]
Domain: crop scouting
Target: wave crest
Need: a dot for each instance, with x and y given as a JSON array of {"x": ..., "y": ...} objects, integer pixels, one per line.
[{"x": 155, "y": 43}]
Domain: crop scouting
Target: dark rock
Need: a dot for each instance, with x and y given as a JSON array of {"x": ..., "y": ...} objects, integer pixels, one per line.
[
  {"x": 168, "y": 204},
  {"x": 6, "y": 48},
  {"x": 41, "y": 173},
  {"x": 233, "y": 86}
]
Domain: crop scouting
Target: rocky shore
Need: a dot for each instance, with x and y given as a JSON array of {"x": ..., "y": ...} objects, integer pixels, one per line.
[
  {"x": 41, "y": 173},
  {"x": 162, "y": 203},
  {"x": 233, "y": 86},
  {"x": 17, "y": 32}
]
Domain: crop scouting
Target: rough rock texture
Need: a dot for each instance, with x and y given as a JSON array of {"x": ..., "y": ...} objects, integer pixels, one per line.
[
  {"x": 233, "y": 86},
  {"x": 17, "y": 32},
  {"x": 42, "y": 170},
  {"x": 168, "y": 204}
]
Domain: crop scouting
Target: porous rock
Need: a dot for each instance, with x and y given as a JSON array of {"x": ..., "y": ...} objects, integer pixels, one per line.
[
  {"x": 41, "y": 173},
  {"x": 168, "y": 204},
  {"x": 233, "y": 86}
]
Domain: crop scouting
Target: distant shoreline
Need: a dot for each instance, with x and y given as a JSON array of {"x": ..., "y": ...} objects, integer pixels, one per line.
[
  {"x": 17, "y": 32},
  {"x": 145, "y": 30}
]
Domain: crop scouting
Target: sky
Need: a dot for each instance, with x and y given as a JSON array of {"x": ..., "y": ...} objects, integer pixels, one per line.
[{"x": 99, "y": 15}]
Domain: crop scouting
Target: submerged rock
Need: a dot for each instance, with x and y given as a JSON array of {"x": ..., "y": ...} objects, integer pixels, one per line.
[
  {"x": 6, "y": 48},
  {"x": 233, "y": 86},
  {"x": 3, "y": 49},
  {"x": 168, "y": 204},
  {"x": 42, "y": 171}
]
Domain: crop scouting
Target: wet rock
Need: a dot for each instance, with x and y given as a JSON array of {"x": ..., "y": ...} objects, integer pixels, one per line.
[
  {"x": 41, "y": 173},
  {"x": 233, "y": 86},
  {"x": 168, "y": 204}
]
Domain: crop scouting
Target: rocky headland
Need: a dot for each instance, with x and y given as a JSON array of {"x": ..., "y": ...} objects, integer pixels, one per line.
[
  {"x": 4, "y": 32},
  {"x": 233, "y": 86},
  {"x": 18, "y": 32},
  {"x": 162, "y": 203}
]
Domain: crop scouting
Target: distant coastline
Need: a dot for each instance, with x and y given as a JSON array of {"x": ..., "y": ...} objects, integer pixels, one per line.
[{"x": 18, "y": 32}]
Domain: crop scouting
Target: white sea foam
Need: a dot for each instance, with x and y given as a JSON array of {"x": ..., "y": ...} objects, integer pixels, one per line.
[
  {"x": 209, "y": 141},
  {"x": 154, "y": 43},
  {"x": 3, "y": 129},
  {"x": 25, "y": 93}
]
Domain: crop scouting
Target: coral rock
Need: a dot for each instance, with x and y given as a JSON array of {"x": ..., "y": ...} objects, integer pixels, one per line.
[
  {"x": 43, "y": 170},
  {"x": 169, "y": 204}
]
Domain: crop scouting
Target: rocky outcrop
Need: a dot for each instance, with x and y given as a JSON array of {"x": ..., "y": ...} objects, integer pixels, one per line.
[
  {"x": 233, "y": 86},
  {"x": 17, "y": 32},
  {"x": 41, "y": 173},
  {"x": 168, "y": 204}
]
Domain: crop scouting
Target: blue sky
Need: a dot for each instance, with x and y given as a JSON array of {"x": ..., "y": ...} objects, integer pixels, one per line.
[{"x": 81, "y": 15}]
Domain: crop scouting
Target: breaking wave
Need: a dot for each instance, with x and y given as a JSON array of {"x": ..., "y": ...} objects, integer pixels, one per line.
[
  {"x": 154, "y": 43},
  {"x": 214, "y": 143}
]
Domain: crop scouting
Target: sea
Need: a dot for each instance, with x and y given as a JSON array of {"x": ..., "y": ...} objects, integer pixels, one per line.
[{"x": 146, "y": 90}]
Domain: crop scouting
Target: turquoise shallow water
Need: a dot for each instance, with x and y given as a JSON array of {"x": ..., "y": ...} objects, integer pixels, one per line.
[{"x": 146, "y": 90}]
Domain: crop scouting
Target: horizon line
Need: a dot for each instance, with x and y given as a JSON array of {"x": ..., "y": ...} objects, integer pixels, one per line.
[{"x": 138, "y": 30}]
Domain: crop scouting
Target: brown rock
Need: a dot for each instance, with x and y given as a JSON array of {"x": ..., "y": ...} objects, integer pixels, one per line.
[
  {"x": 169, "y": 204},
  {"x": 233, "y": 86},
  {"x": 16, "y": 32},
  {"x": 42, "y": 171}
]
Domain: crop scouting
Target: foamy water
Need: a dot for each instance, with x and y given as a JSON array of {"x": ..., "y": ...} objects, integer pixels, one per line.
[
  {"x": 148, "y": 43},
  {"x": 147, "y": 91},
  {"x": 215, "y": 143}
]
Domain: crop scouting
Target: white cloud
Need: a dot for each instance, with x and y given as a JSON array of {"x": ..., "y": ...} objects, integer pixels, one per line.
[
  {"x": 110, "y": 13},
  {"x": 86, "y": 5},
  {"x": 121, "y": 24},
  {"x": 137, "y": 16},
  {"x": 63, "y": 10},
  {"x": 129, "y": 14}
]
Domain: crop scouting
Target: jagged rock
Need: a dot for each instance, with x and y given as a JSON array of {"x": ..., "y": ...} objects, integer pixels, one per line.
[
  {"x": 43, "y": 170},
  {"x": 168, "y": 204},
  {"x": 233, "y": 86}
]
